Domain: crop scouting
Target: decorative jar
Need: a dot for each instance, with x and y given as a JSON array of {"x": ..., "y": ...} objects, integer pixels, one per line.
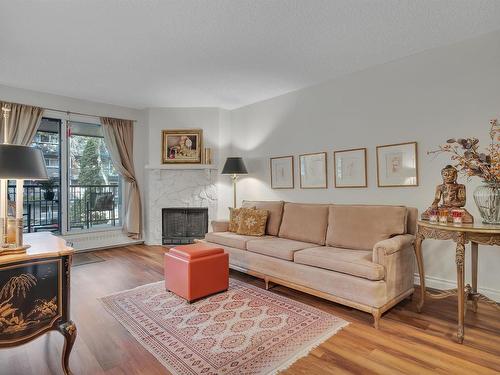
[
  {"x": 433, "y": 216},
  {"x": 443, "y": 215},
  {"x": 487, "y": 198},
  {"x": 457, "y": 216}
]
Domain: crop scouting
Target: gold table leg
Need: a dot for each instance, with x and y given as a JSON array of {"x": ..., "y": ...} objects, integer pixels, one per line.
[
  {"x": 68, "y": 330},
  {"x": 420, "y": 262},
  {"x": 459, "y": 260},
  {"x": 474, "y": 259}
]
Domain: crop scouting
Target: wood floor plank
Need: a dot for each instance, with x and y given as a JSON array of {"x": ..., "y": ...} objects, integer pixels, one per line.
[{"x": 406, "y": 343}]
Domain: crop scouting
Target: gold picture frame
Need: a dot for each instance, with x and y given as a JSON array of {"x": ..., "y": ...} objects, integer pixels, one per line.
[
  {"x": 340, "y": 169},
  {"x": 182, "y": 146},
  {"x": 397, "y": 165},
  {"x": 275, "y": 184},
  {"x": 314, "y": 175}
]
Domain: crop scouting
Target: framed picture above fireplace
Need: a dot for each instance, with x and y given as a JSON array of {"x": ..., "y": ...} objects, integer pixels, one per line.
[{"x": 181, "y": 146}]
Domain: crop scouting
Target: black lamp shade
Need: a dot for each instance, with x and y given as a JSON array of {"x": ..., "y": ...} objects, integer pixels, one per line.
[
  {"x": 22, "y": 163},
  {"x": 234, "y": 166}
]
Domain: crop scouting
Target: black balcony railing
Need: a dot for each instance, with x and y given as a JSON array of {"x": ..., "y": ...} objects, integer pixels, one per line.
[
  {"x": 88, "y": 206},
  {"x": 41, "y": 209},
  {"x": 91, "y": 205}
]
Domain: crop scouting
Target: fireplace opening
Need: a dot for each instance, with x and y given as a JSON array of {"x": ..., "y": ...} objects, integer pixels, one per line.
[{"x": 183, "y": 225}]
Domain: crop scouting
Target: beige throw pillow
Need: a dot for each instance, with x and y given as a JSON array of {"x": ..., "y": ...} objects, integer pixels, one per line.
[{"x": 252, "y": 222}]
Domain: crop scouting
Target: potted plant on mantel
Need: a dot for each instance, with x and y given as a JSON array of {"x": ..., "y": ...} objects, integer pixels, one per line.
[
  {"x": 470, "y": 161},
  {"x": 48, "y": 187}
]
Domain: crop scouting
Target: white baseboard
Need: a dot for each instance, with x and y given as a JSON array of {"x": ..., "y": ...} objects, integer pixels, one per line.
[
  {"x": 442, "y": 284},
  {"x": 87, "y": 241}
]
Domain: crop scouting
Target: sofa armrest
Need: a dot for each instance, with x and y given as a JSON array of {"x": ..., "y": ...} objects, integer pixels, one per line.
[
  {"x": 220, "y": 225},
  {"x": 391, "y": 246}
]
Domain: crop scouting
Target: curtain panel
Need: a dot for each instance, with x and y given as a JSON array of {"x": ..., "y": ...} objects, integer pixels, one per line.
[
  {"x": 22, "y": 123},
  {"x": 119, "y": 139}
]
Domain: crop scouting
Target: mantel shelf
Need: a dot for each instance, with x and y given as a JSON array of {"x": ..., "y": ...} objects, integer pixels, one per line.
[{"x": 183, "y": 166}]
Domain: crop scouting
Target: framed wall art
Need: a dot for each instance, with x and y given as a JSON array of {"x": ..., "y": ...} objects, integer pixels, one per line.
[
  {"x": 181, "y": 146},
  {"x": 313, "y": 171},
  {"x": 350, "y": 168},
  {"x": 282, "y": 172},
  {"x": 397, "y": 165}
]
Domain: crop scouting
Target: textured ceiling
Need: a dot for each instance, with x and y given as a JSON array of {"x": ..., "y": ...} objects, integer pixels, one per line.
[{"x": 219, "y": 53}]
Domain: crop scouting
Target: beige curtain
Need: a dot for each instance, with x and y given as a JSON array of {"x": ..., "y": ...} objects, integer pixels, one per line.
[
  {"x": 22, "y": 124},
  {"x": 119, "y": 139}
]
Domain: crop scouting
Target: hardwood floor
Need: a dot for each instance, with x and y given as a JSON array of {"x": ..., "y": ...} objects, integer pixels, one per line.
[{"x": 407, "y": 342}]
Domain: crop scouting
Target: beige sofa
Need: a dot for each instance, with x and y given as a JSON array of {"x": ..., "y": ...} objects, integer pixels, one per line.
[{"x": 357, "y": 255}]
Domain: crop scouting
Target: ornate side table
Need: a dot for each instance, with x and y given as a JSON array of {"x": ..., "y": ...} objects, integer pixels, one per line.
[
  {"x": 35, "y": 293},
  {"x": 462, "y": 234}
]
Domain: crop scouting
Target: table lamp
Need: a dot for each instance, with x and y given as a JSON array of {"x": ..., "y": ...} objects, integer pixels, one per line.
[
  {"x": 234, "y": 166},
  {"x": 16, "y": 163}
]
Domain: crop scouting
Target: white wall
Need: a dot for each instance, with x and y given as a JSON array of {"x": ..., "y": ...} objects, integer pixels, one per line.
[
  {"x": 101, "y": 239},
  {"x": 447, "y": 92}
]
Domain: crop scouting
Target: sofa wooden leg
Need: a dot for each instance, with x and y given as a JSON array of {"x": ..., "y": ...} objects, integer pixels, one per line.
[
  {"x": 266, "y": 280},
  {"x": 376, "y": 317}
]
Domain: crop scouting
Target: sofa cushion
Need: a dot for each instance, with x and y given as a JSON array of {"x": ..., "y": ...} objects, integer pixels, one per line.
[
  {"x": 304, "y": 222},
  {"x": 353, "y": 262},
  {"x": 277, "y": 247},
  {"x": 252, "y": 222},
  {"x": 238, "y": 241},
  {"x": 275, "y": 209},
  {"x": 361, "y": 227}
]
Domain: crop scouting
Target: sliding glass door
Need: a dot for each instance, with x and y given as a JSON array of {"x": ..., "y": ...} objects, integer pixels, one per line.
[
  {"x": 84, "y": 191},
  {"x": 94, "y": 191}
]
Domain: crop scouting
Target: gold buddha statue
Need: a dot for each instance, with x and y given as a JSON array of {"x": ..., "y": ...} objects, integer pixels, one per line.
[{"x": 452, "y": 195}]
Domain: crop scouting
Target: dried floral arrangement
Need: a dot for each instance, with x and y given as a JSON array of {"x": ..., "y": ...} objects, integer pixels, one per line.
[{"x": 470, "y": 161}]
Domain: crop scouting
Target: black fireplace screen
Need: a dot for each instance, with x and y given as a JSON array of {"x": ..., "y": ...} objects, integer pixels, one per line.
[{"x": 183, "y": 225}]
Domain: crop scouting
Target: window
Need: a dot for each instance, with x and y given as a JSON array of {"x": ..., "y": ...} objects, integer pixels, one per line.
[
  {"x": 84, "y": 191},
  {"x": 42, "y": 200},
  {"x": 94, "y": 197}
]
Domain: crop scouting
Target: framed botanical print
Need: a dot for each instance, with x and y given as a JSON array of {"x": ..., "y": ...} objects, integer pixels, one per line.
[
  {"x": 181, "y": 146},
  {"x": 313, "y": 171},
  {"x": 397, "y": 165},
  {"x": 350, "y": 168},
  {"x": 282, "y": 172}
]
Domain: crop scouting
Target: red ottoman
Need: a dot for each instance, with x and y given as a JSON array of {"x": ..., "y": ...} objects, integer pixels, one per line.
[{"x": 196, "y": 271}]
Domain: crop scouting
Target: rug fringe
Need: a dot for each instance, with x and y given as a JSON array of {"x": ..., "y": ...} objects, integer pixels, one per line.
[{"x": 305, "y": 352}]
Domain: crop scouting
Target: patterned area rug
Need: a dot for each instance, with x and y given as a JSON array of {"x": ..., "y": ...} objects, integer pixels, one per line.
[{"x": 246, "y": 330}]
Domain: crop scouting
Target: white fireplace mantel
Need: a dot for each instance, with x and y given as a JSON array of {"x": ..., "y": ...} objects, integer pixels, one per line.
[
  {"x": 177, "y": 185},
  {"x": 182, "y": 166}
]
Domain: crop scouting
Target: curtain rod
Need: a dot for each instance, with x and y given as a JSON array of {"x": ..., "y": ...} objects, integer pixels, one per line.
[
  {"x": 81, "y": 114},
  {"x": 67, "y": 112}
]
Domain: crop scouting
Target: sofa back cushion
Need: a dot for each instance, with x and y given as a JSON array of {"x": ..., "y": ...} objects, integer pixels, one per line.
[
  {"x": 275, "y": 213},
  {"x": 361, "y": 227},
  {"x": 304, "y": 222},
  {"x": 411, "y": 221}
]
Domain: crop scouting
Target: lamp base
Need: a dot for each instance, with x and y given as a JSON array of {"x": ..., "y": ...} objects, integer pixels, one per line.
[{"x": 13, "y": 249}]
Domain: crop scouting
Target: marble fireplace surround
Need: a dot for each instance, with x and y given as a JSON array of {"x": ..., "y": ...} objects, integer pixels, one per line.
[{"x": 178, "y": 186}]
